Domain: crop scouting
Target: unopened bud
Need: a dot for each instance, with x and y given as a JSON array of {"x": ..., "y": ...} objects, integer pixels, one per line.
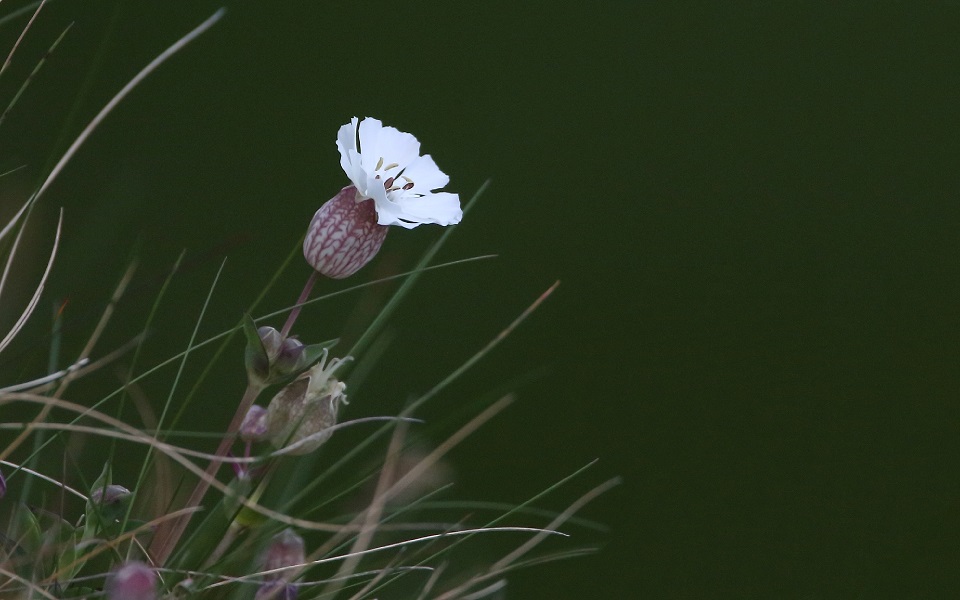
[
  {"x": 132, "y": 581},
  {"x": 276, "y": 590},
  {"x": 290, "y": 358},
  {"x": 271, "y": 340},
  {"x": 343, "y": 235},
  {"x": 269, "y": 357},
  {"x": 286, "y": 550},
  {"x": 109, "y": 495},
  {"x": 254, "y": 425},
  {"x": 3, "y": 486},
  {"x": 107, "y": 505},
  {"x": 300, "y": 413}
]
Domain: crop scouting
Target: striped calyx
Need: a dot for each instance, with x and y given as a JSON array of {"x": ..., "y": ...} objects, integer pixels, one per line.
[{"x": 343, "y": 235}]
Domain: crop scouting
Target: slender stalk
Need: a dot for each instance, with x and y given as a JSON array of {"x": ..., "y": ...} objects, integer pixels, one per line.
[
  {"x": 292, "y": 318},
  {"x": 167, "y": 538}
]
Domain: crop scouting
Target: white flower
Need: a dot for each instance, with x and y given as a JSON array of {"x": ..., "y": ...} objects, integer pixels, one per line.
[{"x": 385, "y": 164}]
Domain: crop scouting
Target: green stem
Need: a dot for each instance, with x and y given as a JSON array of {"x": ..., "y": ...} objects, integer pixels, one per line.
[
  {"x": 167, "y": 537},
  {"x": 292, "y": 318}
]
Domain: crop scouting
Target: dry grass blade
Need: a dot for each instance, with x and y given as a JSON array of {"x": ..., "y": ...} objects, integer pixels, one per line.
[
  {"x": 113, "y": 543},
  {"x": 419, "y": 540},
  {"x": 173, "y": 49},
  {"x": 503, "y": 565},
  {"x": 42, "y": 415},
  {"x": 43, "y": 477},
  {"x": 13, "y": 220},
  {"x": 174, "y": 453},
  {"x": 23, "y": 34},
  {"x": 21, "y": 321},
  {"x": 34, "y": 588},
  {"x": 384, "y": 492},
  {"x": 33, "y": 74}
]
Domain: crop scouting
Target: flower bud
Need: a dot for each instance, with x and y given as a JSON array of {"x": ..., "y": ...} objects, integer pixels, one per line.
[
  {"x": 271, "y": 340},
  {"x": 290, "y": 357},
  {"x": 133, "y": 581},
  {"x": 343, "y": 235},
  {"x": 3, "y": 486},
  {"x": 276, "y": 590},
  {"x": 299, "y": 415},
  {"x": 269, "y": 357},
  {"x": 107, "y": 505},
  {"x": 286, "y": 550},
  {"x": 109, "y": 495},
  {"x": 254, "y": 425}
]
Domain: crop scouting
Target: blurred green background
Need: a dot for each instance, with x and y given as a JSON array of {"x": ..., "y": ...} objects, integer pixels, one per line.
[{"x": 751, "y": 207}]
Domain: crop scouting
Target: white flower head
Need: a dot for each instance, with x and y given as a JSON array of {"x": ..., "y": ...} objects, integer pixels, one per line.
[{"x": 385, "y": 164}]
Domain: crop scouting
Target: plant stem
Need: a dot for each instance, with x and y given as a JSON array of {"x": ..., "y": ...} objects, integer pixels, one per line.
[
  {"x": 292, "y": 318},
  {"x": 168, "y": 536}
]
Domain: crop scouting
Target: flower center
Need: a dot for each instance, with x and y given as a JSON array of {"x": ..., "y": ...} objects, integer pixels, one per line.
[{"x": 392, "y": 183}]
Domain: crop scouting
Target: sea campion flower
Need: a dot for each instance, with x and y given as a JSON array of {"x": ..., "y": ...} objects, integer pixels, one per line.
[
  {"x": 391, "y": 185},
  {"x": 299, "y": 415}
]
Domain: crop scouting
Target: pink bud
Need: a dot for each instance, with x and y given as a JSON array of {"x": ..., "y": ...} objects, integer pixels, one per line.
[
  {"x": 133, "y": 581},
  {"x": 276, "y": 590},
  {"x": 343, "y": 235},
  {"x": 254, "y": 425},
  {"x": 286, "y": 550}
]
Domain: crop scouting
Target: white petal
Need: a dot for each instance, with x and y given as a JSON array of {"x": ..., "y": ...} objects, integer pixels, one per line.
[
  {"x": 369, "y": 144},
  {"x": 367, "y": 148},
  {"x": 442, "y": 208},
  {"x": 425, "y": 175},
  {"x": 388, "y": 213},
  {"x": 350, "y": 162},
  {"x": 369, "y": 133},
  {"x": 397, "y": 147},
  {"x": 347, "y": 136},
  {"x": 349, "y": 157}
]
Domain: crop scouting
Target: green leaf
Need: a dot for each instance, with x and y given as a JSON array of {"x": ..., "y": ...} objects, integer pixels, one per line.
[{"x": 255, "y": 356}]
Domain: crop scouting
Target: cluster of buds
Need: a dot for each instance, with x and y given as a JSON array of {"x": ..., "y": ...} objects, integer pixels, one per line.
[
  {"x": 270, "y": 357},
  {"x": 286, "y": 550}
]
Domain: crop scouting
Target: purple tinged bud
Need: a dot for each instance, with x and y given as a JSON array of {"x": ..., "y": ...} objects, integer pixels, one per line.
[
  {"x": 286, "y": 550},
  {"x": 133, "y": 581},
  {"x": 291, "y": 356},
  {"x": 276, "y": 590},
  {"x": 108, "y": 495},
  {"x": 344, "y": 235},
  {"x": 281, "y": 356},
  {"x": 3, "y": 486},
  {"x": 254, "y": 426},
  {"x": 271, "y": 340}
]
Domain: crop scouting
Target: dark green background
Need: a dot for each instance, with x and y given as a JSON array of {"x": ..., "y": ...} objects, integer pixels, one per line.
[{"x": 752, "y": 207}]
